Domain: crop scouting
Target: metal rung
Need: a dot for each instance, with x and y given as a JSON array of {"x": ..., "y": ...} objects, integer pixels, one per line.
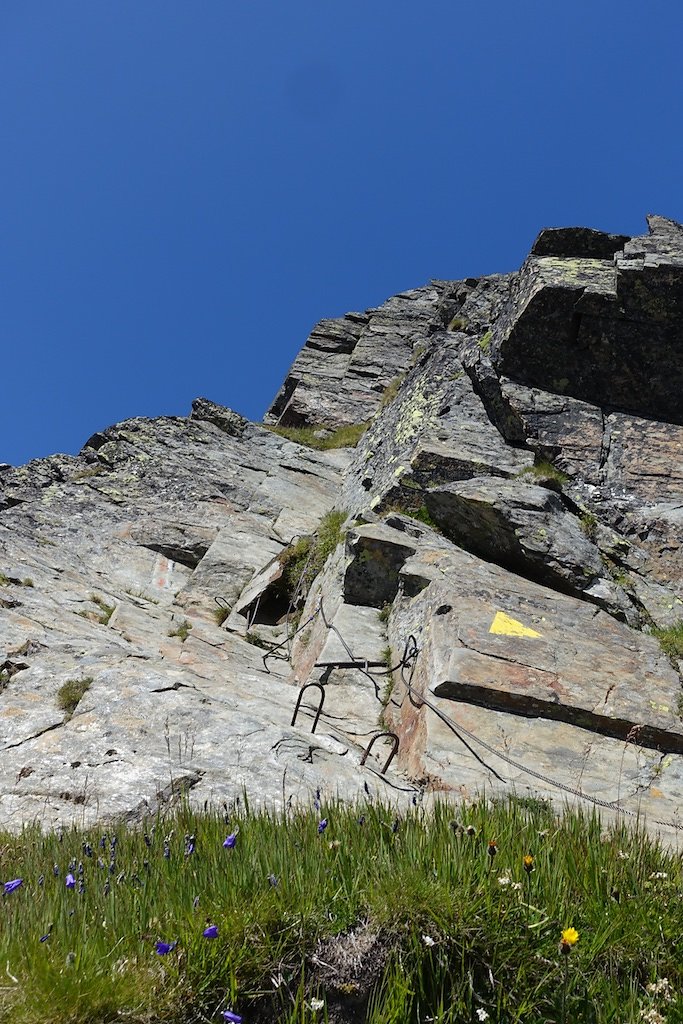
[
  {"x": 303, "y": 689},
  {"x": 394, "y": 749}
]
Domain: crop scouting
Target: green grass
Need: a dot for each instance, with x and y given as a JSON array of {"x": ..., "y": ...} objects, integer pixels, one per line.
[
  {"x": 391, "y": 390},
  {"x": 303, "y": 560},
  {"x": 384, "y": 612},
  {"x": 343, "y": 437},
  {"x": 589, "y": 525},
  {"x": 70, "y": 693},
  {"x": 671, "y": 640},
  {"x": 545, "y": 472},
  {"x": 220, "y": 614},
  {"x": 256, "y": 641},
  {"x": 485, "y": 341},
  {"x": 182, "y": 631},
  {"x": 406, "y": 919},
  {"x": 106, "y": 610}
]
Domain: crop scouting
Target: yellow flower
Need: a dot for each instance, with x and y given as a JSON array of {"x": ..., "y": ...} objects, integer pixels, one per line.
[
  {"x": 528, "y": 863},
  {"x": 570, "y": 937}
]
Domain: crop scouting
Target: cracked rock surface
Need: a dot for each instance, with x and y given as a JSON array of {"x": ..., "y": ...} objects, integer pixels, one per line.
[{"x": 511, "y": 544}]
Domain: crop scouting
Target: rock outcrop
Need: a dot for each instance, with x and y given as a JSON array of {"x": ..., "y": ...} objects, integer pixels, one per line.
[{"x": 478, "y": 589}]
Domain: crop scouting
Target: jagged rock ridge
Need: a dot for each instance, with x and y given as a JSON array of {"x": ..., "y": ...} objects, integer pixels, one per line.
[{"x": 513, "y": 521}]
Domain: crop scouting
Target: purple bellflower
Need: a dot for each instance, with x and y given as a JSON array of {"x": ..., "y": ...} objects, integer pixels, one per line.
[
  {"x": 234, "y": 1018},
  {"x": 230, "y": 841},
  {"x": 163, "y": 948},
  {"x": 11, "y": 886},
  {"x": 322, "y": 825},
  {"x": 211, "y": 932},
  {"x": 70, "y": 881}
]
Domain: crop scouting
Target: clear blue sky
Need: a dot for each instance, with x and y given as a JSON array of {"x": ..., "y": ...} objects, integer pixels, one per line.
[{"x": 187, "y": 187}]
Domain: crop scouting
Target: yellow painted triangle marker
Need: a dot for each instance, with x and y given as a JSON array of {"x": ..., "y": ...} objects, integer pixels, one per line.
[{"x": 508, "y": 626}]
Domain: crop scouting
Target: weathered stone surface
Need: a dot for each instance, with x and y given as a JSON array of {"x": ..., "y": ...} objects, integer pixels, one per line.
[
  {"x": 527, "y": 529},
  {"x": 363, "y": 353},
  {"x": 150, "y": 566},
  {"x": 604, "y": 330}
]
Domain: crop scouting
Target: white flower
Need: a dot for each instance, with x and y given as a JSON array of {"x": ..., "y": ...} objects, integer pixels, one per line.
[
  {"x": 481, "y": 1014},
  {"x": 621, "y": 855},
  {"x": 659, "y": 874},
  {"x": 503, "y": 882},
  {"x": 317, "y": 1004},
  {"x": 428, "y": 940},
  {"x": 660, "y": 988},
  {"x": 652, "y": 1017},
  {"x": 517, "y": 886}
]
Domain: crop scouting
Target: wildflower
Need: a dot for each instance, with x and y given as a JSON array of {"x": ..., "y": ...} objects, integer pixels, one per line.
[
  {"x": 211, "y": 932},
  {"x": 46, "y": 936},
  {"x": 147, "y": 840},
  {"x": 334, "y": 844},
  {"x": 55, "y": 870},
  {"x": 14, "y": 884},
  {"x": 87, "y": 849},
  {"x": 660, "y": 988},
  {"x": 621, "y": 855},
  {"x": 189, "y": 845},
  {"x": 493, "y": 848},
  {"x": 274, "y": 881},
  {"x": 167, "y": 850},
  {"x": 517, "y": 886},
  {"x": 322, "y": 825},
  {"x": 317, "y": 1004},
  {"x": 230, "y": 841},
  {"x": 234, "y": 1018},
  {"x": 659, "y": 874},
  {"x": 528, "y": 863},
  {"x": 428, "y": 940},
  {"x": 570, "y": 937},
  {"x": 316, "y": 802},
  {"x": 652, "y": 1016},
  {"x": 70, "y": 881},
  {"x": 504, "y": 881},
  {"x": 361, "y": 820},
  {"x": 163, "y": 948},
  {"x": 471, "y": 830},
  {"x": 481, "y": 1014}
]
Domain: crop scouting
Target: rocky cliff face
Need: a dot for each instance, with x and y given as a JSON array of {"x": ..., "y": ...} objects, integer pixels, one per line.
[{"x": 482, "y": 576}]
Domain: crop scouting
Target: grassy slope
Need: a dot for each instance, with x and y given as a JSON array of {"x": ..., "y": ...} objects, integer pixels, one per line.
[{"x": 430, "y": 925}]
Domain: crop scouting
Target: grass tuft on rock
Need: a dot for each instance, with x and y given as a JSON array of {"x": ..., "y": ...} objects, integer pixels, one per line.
[
  {"x": 379, "y": 917},
  {"x": 343, "y": 437},
  {"x": 671, "y": 640},
  {"x": 71, "y": 692},
  {"x": 303, "y": 560}
]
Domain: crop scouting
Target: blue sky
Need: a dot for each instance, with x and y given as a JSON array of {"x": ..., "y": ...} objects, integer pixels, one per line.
[{"x": 187, "y": 188}]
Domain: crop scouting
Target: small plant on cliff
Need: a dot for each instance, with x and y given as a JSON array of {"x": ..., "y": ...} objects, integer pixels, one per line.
[
  {"x": 485, "y": 341},
  {"x": 220, "y": 614},
  {"x": 182, "y": 631},
  {"x": 344, "y": 437},
  {"x": 545, "y": 473},
  {"x": 671, "y": 640},
  {"x": 391, "y": 390},
  {"x": 70, "y": 693},
  {"x": 589, "y": 525},
  {"x": 303, "y": 560},
  {"x": 106, "y": 610}
]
